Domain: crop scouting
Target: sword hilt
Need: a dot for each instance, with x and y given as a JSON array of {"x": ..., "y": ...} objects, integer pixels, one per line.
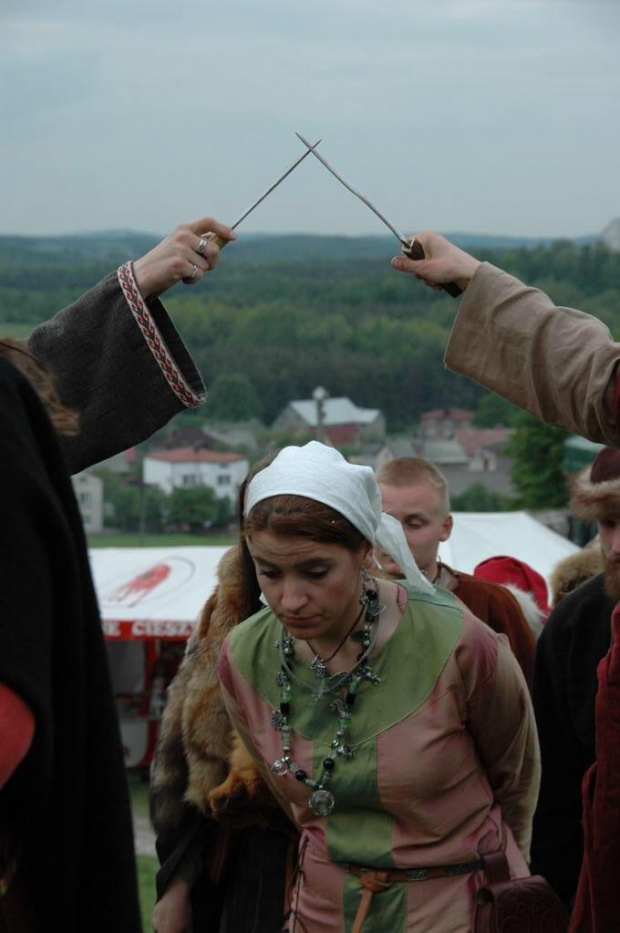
[
  {"x": 415, "y": 250},
  {"x": 218, "y": 240}
]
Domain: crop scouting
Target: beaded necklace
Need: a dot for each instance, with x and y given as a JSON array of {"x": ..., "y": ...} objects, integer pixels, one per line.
[{"x": 322, "y": 800}]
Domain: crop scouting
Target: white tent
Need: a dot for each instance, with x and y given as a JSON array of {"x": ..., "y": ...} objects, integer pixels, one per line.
[
  {"x": 153, "y": 592},
  {"x": 477, "y": 536}
]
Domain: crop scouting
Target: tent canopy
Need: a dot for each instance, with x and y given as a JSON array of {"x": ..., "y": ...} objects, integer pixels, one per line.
[
  {"x": 476, "y": 536},
  {"x": 147, "y": 593},
  {"x": 153, "y": 592}
]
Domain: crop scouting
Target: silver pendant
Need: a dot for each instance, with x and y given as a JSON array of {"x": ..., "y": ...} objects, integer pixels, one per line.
[
  {"x": 322, "y": 802},
  {"x": 319, "y": 667},
  {"x": 368, "y": 674},
  {"x": 278, "y": 719},
  {"x": 338, "y": 706},
  {"x": 280, "y": 767}
]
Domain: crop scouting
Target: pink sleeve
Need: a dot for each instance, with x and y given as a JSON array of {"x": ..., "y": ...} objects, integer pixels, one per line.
[
  {"x": 224, "y": 671},
  {"x": 16, "y": 732}
]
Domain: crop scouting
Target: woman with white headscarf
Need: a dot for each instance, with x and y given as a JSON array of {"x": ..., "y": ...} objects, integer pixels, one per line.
[{"x": 394, "y": 729}]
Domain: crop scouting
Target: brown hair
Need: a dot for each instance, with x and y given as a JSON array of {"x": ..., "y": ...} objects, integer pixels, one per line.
[
  {"x": 407, "y": 471},
  {"x": 303, "y": 518},
  {"x": 63, "y": 419},
  {"x": 249, "y": 584}
]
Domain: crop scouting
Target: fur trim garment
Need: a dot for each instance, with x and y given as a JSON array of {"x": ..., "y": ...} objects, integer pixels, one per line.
[
  {"x": 195, "y": 750},
  {"x": 575, "y": 569},
  {"x": 595, "y": 493},
  {"x": 532, "y": 613}
]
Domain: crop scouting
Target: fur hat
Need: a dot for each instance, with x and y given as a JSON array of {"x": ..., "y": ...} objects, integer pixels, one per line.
[{"x": 595, "y": 493}]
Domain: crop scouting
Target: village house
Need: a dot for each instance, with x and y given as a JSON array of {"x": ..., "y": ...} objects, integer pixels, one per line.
[
  {"x": 444, "y": 422},
  {"x": 342, "y": 422},
  {"x": 187, "y": 467},
  {"x": 88, "y": 490}
]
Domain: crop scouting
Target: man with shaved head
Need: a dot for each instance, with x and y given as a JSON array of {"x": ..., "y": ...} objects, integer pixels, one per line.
[{"x": 416, "y": 493}]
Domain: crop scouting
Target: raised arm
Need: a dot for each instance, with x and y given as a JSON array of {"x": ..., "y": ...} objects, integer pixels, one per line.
[
  {"x": 117, "y": 357},
  {"x": 560, "y": 364}
]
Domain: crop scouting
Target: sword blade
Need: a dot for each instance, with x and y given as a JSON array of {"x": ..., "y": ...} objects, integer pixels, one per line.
[
  {"x": 354, "y": 191},
  {"x": 281, "y": 178}
]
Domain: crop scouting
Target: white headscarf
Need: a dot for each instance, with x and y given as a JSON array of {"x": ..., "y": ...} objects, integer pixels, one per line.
[{"x": 321, "y": 473}]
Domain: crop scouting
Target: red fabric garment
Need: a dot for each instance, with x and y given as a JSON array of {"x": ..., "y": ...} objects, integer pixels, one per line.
[
  {"x": 616, "y": 397},
  {"x": 505, "y": 570},
  {"x": 16, "y": 731},
  {"x": 499, "y": 609},
  {"x": 597, "y": 904}
]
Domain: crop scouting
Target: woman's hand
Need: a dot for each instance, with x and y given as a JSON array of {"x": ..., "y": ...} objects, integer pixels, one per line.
[
  {"x": 173, "y": 913},
  {"x": 184, "y": 255},
  {"x": 443, "y": 262}
]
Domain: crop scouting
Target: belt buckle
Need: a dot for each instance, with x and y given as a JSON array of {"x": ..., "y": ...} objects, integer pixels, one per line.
[{"x": 417, "y": 874}]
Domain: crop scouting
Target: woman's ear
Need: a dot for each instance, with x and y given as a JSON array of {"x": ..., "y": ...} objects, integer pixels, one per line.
[{"x": 367, "y": 557}]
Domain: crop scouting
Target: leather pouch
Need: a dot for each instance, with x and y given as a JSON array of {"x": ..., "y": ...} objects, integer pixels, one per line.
[{"x": 519, "y": 905}]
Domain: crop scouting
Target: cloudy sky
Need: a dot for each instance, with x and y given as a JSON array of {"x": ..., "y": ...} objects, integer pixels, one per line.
[{"x": 487, "y": 116}]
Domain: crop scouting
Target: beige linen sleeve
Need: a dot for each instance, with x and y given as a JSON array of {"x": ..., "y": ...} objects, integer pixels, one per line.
[
  {"x": 557, "y": 363},
  {"x": 500, "y": 718}
]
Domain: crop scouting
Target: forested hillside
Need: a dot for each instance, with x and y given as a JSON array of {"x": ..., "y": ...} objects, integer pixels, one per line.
[{"x": 290, "y": 313}]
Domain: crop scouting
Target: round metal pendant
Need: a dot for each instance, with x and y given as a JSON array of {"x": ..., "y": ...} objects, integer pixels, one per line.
[
  {"x": 322, "y": 802},
  {"x": 280, "y": 767}
]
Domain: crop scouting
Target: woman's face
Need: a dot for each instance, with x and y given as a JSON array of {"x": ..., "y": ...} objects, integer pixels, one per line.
[{"x": 313, "y": 588}]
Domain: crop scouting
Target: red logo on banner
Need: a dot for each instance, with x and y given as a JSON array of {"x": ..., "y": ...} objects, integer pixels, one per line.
[{"x": 132, "y": 592}]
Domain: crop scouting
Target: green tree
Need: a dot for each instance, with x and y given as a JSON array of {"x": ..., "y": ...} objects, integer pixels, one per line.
[
  {"x": 155, "y": 508},
  {"x": 538, "y": 449},
  {"x": 125, "y": 502},
  {"x": 196, "y": 507},
  {"x": 478, "y": 498},
  {"x": 232, "y": 397},
  {"x": 224, "y": 513},
  {"x": 132, "y": 503},
  {"x": 494, "y": 410}
]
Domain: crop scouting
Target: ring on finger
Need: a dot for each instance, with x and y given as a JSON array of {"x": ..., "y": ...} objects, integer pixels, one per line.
[
  {"x": 194, "y": 271},
  {"x": 202, "y": 245}
]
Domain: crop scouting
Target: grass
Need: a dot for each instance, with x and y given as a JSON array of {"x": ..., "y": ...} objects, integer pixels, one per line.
[
  {"x": 147, "y": 866},
  {"x": 148, "y": 540},
  {"x": 139, "y": 791}
]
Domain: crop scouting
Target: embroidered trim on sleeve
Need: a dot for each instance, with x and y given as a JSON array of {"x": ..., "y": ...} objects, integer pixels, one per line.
[{"x": 154, "y": 340}]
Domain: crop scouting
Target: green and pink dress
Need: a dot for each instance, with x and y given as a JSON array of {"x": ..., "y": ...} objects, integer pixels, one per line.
[{"x": 445, "y": 766}]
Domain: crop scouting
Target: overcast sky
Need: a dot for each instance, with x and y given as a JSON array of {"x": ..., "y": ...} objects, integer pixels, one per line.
[{"x": 485, "y": 116}]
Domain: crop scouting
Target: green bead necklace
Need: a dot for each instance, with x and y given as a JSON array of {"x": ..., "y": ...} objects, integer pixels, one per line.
[{"x": 322, "y": 801}]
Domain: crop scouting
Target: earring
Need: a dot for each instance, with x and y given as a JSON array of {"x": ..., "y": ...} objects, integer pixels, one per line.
[{"x": 369, "y": 588}]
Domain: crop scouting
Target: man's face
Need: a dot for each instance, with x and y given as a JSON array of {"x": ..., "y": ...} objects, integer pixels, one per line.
[
  {"x": 609, "y": 534},
  {"x": 419, "y": 509}
]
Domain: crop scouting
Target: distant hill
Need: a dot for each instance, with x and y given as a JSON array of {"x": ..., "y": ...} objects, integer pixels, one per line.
[
  {"x": 296, "y": 311},
  {"x": 115, "y": 246}
]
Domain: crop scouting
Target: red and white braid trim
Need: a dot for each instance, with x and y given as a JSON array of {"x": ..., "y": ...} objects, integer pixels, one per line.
[{"x": 154, "y": 340}]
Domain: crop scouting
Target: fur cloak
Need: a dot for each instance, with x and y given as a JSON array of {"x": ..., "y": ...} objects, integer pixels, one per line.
[{"x": 199, "y": 767}]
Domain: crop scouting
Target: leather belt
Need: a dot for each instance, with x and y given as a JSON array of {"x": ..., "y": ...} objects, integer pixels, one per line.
[{"x": 374, "y": 880}]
